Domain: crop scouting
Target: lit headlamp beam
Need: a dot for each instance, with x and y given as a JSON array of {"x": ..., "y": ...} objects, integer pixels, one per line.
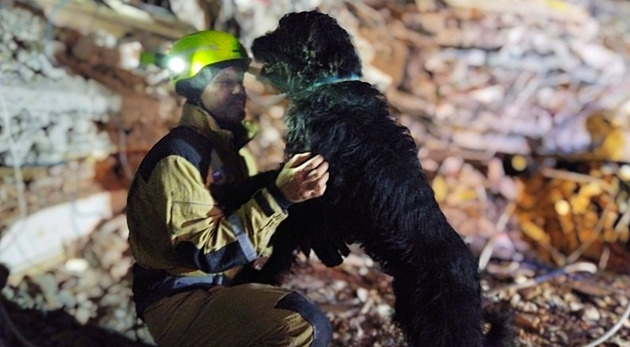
[{"x": 176, "y": 65}]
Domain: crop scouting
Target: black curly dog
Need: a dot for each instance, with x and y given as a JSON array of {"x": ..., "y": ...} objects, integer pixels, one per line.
[{"x": 377, "y": 194}]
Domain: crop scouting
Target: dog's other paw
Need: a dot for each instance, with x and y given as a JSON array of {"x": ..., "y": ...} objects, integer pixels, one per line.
[
  {"x": 331, "y": 253},
  {"x": 499, "y": 326}
]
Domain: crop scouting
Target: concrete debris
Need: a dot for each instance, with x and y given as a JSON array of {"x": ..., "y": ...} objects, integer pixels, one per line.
[
  {"x": 48, "y": 115},
  {"x": 498, "y": 94}
]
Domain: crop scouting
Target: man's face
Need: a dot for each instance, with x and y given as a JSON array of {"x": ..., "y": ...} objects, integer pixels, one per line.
[{"x": 224, "y": 96}]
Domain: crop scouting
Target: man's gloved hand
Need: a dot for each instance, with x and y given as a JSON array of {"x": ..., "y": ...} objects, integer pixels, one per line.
[{"x": 302, "y": 178}]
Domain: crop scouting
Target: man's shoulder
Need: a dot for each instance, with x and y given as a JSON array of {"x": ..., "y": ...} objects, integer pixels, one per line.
[{"x": 181, "y": 141}]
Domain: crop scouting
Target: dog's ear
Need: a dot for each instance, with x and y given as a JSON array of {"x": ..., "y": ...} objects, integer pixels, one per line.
[
  {"x": 320, "y": 34},
  {"x": 329, "y": 46},
  {"x": 325, "y": 36}
]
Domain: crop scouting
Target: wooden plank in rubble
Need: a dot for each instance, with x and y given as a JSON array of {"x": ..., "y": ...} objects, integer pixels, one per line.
[{"x": 117, "y": 18}]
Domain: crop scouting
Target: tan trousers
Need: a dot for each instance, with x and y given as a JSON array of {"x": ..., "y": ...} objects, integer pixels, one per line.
[{"x": 243, "y": 315}]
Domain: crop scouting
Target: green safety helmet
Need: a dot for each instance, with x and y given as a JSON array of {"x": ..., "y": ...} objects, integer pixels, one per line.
[{"x": 193, "y": 52}]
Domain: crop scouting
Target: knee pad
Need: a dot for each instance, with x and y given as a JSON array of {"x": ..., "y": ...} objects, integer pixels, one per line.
[{"x": 322, "y": 330}]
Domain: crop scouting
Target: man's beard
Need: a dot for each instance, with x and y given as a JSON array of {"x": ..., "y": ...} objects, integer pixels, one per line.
[{"x": 233, "y": 123}]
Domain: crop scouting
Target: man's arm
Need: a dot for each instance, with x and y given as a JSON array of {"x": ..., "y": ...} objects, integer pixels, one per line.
[
  {"x": 245, "y": 190},
  {"x": 200, "y": 232},
  {"x": 207, "y": 238}
]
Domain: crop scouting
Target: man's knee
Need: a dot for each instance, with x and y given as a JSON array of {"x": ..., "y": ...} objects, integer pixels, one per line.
[{"x": 322, "y": 330}]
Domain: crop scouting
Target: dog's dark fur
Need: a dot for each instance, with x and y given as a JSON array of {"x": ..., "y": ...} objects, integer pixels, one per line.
[{"x": 377, "y": 194}]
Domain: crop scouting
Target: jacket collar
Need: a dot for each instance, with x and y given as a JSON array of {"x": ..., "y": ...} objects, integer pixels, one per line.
[{"x": 202, "y": 121}]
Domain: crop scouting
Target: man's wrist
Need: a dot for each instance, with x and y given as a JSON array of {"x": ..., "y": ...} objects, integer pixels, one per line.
[{"x": 279, "y": 196}]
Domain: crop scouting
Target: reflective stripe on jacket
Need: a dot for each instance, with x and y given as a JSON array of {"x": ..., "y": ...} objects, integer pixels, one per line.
[{"x": 182, "y": 222}]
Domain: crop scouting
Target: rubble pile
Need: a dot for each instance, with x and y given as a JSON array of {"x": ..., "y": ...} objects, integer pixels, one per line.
[
  {"x": 48, "y": 115},
  {"x": 42, "y": 186},
  {"x": 496, "y": 79},
  {"x": 521, "y": 111},
  {"x": 87, "y": 300},
  {"x": 51, "y": 122},
  {"x": 579, "y": 214},
  {"x": 92, "y": 288}
]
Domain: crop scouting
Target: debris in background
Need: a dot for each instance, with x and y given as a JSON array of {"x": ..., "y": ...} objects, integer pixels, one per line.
[
  {"x": 521, "y": 112},
  {"x": 581, "y": 212}
]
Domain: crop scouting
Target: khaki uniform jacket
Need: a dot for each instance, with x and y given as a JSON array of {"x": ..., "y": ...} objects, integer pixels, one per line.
[{"x": 182, "y": 231}]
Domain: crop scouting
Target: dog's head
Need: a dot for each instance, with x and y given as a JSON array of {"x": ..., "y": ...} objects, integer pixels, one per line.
[{"x": 307, "y": 48}]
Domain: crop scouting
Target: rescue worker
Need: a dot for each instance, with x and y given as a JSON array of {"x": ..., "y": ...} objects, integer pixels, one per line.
[{"x": 185, "y": 232}]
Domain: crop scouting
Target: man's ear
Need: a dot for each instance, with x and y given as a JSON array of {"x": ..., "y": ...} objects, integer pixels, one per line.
[{"x": 191, "y": 88}]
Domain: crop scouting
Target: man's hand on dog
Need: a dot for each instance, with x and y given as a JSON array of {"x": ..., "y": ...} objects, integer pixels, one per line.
[{"x": 303, "y": 178}]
